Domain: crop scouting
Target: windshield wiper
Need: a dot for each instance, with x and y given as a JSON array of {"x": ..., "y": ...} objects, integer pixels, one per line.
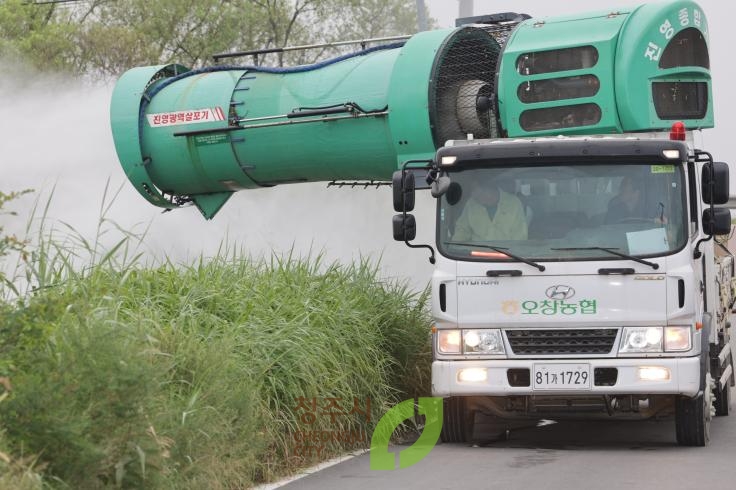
[
  {"x": 613, "y": 251},
  {"x": 502, "y": 251}
]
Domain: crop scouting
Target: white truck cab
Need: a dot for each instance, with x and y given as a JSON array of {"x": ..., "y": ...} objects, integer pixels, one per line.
[{"x": 586, "y": 283}]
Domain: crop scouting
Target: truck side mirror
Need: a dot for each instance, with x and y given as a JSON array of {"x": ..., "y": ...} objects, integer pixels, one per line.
[
  {"x": 440, "y": 186},
  {"x": 403, "y": 184},
  {"x": 405, "y": 227},
  {"x": 719, "y": 183},
  {"x": 454, "y": 194},
  {"x": 717, "y": 221}
]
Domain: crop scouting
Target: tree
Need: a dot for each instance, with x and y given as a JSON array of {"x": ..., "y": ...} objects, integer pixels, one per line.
[
  {"x": 37, "y": 34},
  {"x": 103, "y": 38}
]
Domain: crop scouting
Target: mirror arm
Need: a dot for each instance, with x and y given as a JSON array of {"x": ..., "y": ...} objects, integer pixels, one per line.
[
  {"x": 697, "y": 253},
  {"x": 410, "y": 245},
  {"x": 429, "y": 247}
]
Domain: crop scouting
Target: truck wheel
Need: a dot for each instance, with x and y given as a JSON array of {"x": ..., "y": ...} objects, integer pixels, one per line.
[
  {"x": 457, "y": 420},
  {"x": 723, "y": 396},
  {"x": 722, "y": 400},
  {"x": 693, "y": 416}
]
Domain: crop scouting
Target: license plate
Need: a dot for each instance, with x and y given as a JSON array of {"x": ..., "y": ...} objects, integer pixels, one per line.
[{"x": 561, "y": 376}]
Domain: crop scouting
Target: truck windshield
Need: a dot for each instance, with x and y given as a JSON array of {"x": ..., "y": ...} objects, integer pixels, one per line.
[{"x": 563, "y": 212}]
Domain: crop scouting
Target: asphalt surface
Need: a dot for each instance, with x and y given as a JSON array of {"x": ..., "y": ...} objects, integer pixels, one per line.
[{"x": 565, "y": 455}]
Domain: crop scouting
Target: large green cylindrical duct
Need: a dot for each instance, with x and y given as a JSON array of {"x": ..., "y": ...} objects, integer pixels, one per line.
[{"x": 200, "y": 135}]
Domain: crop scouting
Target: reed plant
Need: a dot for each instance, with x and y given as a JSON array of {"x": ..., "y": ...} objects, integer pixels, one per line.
[{"x": 136, "y": 374}]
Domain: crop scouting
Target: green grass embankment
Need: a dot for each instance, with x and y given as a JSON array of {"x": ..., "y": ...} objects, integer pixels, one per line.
[{"x": 190, "y": 377}]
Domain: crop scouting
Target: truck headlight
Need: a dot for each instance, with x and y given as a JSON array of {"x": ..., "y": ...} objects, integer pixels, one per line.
[
  {"x": 448, "y": 341},
  {"x": 470, "y": 341},
  {"x": 677, "y": 339},
  {"x": 641, "y": 339},
  {"x": 482, "y": 342}
]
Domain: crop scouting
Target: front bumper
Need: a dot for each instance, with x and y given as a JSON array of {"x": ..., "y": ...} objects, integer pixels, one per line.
[{"x": 684, "y": 377}]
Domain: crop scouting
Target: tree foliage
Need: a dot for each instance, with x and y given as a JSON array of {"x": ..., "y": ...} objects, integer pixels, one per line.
[{"x": 103, "y": 38}]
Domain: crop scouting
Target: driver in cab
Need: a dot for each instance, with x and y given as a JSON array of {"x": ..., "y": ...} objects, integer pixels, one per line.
[
  {"x": 491, "y": 214},
  {"x": 628, "y": 204}
]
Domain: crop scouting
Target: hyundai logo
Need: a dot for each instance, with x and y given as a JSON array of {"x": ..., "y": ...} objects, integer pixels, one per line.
[{"x": 560, "y": 291}]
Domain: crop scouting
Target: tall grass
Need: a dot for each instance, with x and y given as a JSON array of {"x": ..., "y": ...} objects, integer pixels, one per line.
[{"x": 190, "y": 376}]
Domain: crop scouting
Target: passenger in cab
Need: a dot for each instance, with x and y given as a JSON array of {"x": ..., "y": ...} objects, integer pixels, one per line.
[{"x": 491, "y": 214}]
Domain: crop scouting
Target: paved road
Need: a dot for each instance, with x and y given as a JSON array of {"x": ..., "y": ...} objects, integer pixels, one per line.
[{"x": 566, "y": 455}]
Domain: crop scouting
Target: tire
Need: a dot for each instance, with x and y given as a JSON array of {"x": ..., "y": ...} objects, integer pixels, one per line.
[
  {"x": 722, "y": 401},
  {"x": 723, "y": 396},
  {"x": 693, "y": 415},
  {"x": 457, "y": 420}
]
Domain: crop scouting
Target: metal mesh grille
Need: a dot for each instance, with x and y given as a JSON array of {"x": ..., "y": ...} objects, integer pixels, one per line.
[
  {"x": 550, "y": 342},
  {"x": 462, "y": 94}
]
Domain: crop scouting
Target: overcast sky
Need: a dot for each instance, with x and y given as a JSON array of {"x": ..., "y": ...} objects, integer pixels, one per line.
[{"x": 57, "y": 133}]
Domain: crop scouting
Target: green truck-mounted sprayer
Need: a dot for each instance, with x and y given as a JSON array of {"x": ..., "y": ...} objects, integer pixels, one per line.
[
  {"x": 199, "y": 135},
  {"x": 576, "y": 273}
]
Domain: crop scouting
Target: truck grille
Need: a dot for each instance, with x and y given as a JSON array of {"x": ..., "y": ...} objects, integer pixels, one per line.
[{"x": 550, "y": 342}]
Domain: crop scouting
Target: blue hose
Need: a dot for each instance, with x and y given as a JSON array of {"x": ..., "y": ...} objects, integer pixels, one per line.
[{"x": 264, "y": 69}]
